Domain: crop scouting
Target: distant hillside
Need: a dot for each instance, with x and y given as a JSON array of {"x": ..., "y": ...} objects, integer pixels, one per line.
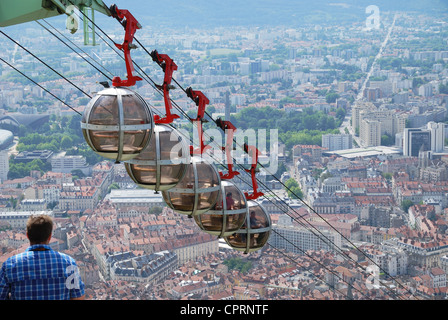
[{"x": 207, "y": 13}]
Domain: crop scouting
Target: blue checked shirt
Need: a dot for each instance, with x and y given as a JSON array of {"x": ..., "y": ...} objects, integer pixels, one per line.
[{"x": 40, "y": 275}]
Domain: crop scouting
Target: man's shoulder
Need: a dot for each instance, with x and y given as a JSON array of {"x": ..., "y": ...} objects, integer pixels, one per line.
[
  {"x": 64, "y": 256},
  {"x": 17, "y": 257}
]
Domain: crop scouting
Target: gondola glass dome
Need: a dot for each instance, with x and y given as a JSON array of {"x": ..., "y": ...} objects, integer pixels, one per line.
[
  {"x": 229, "y": 213},
  {"x": 198, "y": 190},
  {"x": 163, "y": 163},
  {"x": 117, "y": 124},
  {"x": 254, "y": 233}
]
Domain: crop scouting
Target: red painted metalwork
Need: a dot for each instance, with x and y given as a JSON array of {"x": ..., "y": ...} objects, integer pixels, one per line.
[
  {"x": 229, "y": 129},
  {"x": 168, "y": 66},
  {"x": 201, "y": 101},
  {"x": 253, "y": 151},
  {"x": 131, "y": 25}
]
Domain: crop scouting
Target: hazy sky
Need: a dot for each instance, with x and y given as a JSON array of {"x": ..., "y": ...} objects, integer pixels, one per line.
[{"x": 266, "y": 12}]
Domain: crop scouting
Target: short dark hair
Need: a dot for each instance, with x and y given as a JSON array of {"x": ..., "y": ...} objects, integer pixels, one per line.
[{"x": 39, "y": 228}]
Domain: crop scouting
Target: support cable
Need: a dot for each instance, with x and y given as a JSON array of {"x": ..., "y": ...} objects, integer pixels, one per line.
[
  {"x": 80, "y": 55},
  {"x": 40, "y": 60},
  {"x": 46, "y": 90},
  {"x": 180, "y": 109}
]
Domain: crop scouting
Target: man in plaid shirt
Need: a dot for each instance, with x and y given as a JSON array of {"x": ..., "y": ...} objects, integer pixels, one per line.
[{"x": 40, "y": 273}]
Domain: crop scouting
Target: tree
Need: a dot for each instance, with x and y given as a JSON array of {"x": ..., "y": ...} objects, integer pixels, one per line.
[
  {"x": 66, "y": 142},
  {"x": 77, "y": 174},
  {"x": 340, "y": 113},
  {"x": 294, "y": 191},
  {"x": 238, "y": 264},
  {"x": 406, "y": 204},
  {"x": 387, "y": 175},
  {"x": 331, "y": 97},
  {"x": 387, "y": 140},
  {"x": 155, "y": 210},
  {"x": 443, "y": 88}
]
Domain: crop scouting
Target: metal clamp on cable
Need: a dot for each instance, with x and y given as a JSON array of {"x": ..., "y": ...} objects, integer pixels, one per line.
[
  {"x": 229, "y": 129},
  {"x": 168, "y": 66},
  {"x": 253, "y": 152},
  {"x": 201, "y": 101},
  {"x": 131, "y": 25}
]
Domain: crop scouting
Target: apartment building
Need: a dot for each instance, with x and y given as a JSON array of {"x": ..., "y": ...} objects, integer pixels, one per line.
[
  {"x": 298, "y": 239},
  {"x": 79, "y": 198},
  {"x": 337, "y": 141},
  {"x": 4, "y": 165},
  {"x": 150, "y": 269},
  {"x": 67, "y": 164},
  {"x": 421, "y": 253},
  {"x": 373, "y": 123},
  {"x": 18, "y": 219}
]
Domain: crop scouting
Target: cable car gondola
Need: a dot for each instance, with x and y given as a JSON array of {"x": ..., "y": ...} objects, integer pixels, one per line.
[
  {"x": 163, "y": 163},
  {"x": 198, "y": 190},
  {"x": 227, "y": 215},
  {"x": 117, "y": 124},
  {"x": 254, "y": 233}
]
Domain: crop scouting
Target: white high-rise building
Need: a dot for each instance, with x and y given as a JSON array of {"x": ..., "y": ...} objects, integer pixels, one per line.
[
  {"x": 337, "y": 141},
  {"x": 370, "y": 132},
  {"x": 416, "y": 140},
  {"x": 373, "y": 123},
  {"x": 428, "y": 138},
  {"x": 4, "y": 166},
  {"x": 437, "y": 136},
  {"x": 425, "y": 90}
]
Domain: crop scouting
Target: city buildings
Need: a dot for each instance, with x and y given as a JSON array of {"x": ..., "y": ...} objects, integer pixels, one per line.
[
  {"x": 429, "y": 138},
  {"x": 149, "y": 269},
  {"x": 374, "y": 123},
  {"x": 337, "y": 141},
  {"x": 66, "y": 164},
  {"x": 135, "y": 197},
  {"x": 4, "y": 165},
  {"x": 18, "y": 219},
  {"x": 298, "y": 239},
  {"x": 130, "y": 246}
]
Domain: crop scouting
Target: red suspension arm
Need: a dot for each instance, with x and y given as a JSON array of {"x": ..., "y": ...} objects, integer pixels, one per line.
[
  {"x": 131, "y": 25},
  {"x": 168, "y": 66},
  {"x": 254, "y": 154},
  {"x": 201, "y": 101},
  {"x": 230, "y": 129}
]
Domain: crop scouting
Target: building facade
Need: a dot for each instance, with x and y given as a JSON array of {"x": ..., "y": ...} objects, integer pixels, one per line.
[
  {"x": 337, "y": 141},
  {"x": 298, "y": 239}
]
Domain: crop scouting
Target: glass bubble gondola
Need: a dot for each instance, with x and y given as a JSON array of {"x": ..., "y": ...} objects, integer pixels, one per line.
[
  {"x": 117, "y": 124},
  {"x": 254, "y": 233},
  {"x": 163, "y": 163},
  {"x": 229, "y": 213},
  {"x": 198, "y": 190}
]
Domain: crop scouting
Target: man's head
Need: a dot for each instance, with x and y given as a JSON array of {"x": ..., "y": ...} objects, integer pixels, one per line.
[{"x": 39, "y": 229}]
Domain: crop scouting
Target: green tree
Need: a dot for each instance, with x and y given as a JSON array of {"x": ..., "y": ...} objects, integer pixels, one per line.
[
  {"x": 387, "y": 175},
  {"x": 294, "y": 191},
  {"x": 387, "y": 140},
  {"x": 443, "y": 88},
  {"x": 155, "y": 210},
  {"x": 331, "y": 97},
  {"x": 406, "y": 204},
  {"x": 77, "y": 174},
  {"x": 66, "y": 142},
  {"x": 238, "y": 264},
  {"x": 340, "y": 113}
]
